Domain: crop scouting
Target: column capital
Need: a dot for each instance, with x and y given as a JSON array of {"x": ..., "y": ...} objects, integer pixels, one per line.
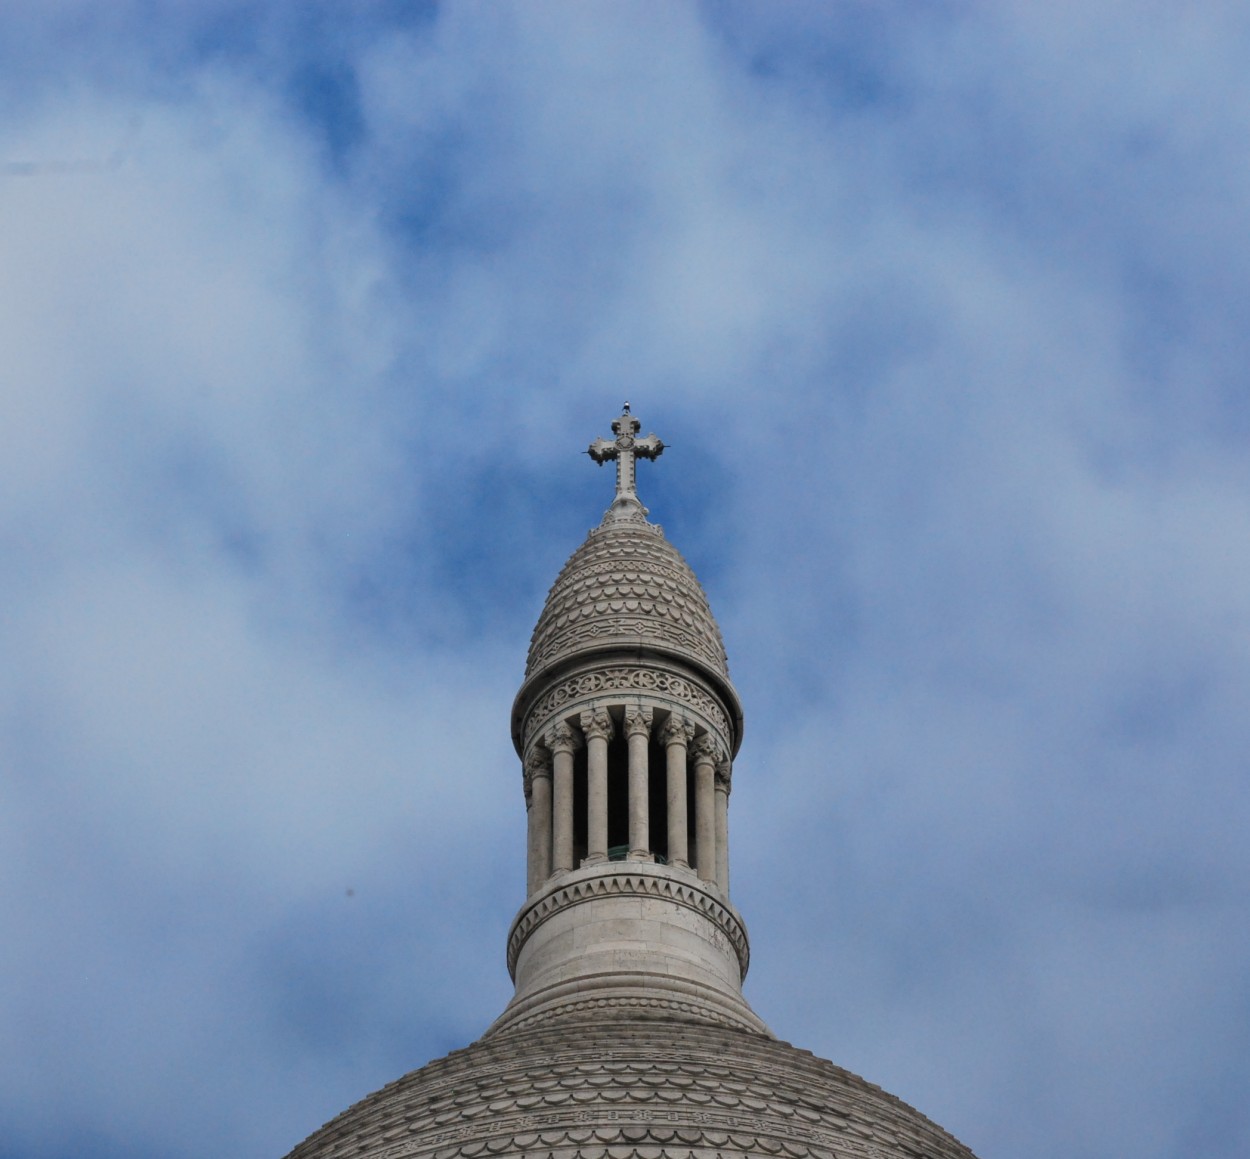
[
  {"x": 707, "y": 750},
  {"x": 638, "y": 721},
  {"x": 724, "y": 774},
  {"x": 596, "y": 724},
  {"x": 537, "y": 764},
  {"x": 676, "y": 730},
  {"x": 562, "y": 737}
]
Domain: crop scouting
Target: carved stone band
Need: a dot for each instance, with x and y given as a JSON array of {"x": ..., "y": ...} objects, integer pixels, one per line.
[
  {"x": 644, "y": 882},
  {"x": 664, "y": 685}
]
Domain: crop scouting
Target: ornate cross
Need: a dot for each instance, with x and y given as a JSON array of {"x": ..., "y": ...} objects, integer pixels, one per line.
[{"x": 625, "y": 449}]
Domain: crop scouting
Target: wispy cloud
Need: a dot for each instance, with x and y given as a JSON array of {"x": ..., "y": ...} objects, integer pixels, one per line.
[{"x": 308, "y": 315}]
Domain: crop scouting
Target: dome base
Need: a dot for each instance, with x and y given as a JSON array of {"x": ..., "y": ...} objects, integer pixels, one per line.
[{"x": 653, "y": 940}]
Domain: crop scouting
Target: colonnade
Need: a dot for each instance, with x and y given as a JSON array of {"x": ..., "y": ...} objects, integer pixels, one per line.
[{"x": 550, "y": 797}]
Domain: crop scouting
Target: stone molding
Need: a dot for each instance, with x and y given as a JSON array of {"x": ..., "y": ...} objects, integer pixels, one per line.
[
  {"x": 605, "y": 630},
  {"x": 637, "y": 883},
  {"x": 565, "y": 696},
  {"x": 618, "y": 1004},
  {"x": 637, "y": 1142},
  {"x": 630, "y": 995}
]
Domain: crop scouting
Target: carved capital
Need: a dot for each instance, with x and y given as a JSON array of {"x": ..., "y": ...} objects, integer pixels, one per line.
[
  {"x": 724, "y": 776},
  {"x": 706, "y": 750},
  {"x": 537, "y": 764},
  {"x": 561, "y": 737},
  {"x": 638, "y": 721},
  {"x": 676, "y": 730},
  {"x": 596, "y": 724}
]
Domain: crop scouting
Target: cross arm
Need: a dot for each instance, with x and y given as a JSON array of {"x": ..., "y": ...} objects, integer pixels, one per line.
[
  {"x": 650, "y": 447},
  {"x": 601, "y": 450}
]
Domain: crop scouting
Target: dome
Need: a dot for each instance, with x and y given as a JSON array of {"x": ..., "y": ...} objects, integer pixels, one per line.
[
  {"x": 628, "y": 1035},
  {"x": 628, "y": 593},
  {"x": 627, "y": 586},
  {"x": 627, "y": 1089}
]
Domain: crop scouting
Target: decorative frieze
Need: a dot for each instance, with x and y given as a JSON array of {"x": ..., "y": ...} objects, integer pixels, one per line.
[{"x": 623, "y": 678}]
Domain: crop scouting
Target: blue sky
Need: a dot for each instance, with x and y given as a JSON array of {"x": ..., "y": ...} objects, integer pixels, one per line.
[{"x": 308, "y": 313}]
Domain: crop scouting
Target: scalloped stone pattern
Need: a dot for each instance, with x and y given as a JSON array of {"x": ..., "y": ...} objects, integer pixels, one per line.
[
  {"x": 631, "y": 1090},
  {"x": 628, "y": 582}
]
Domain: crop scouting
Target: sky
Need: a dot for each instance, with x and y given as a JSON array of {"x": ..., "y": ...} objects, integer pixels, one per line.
[{"x": 309, "y": 312}]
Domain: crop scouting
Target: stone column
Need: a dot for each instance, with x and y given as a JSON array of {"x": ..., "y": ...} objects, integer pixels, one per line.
[
  {"x": 724, "y": 772},
  {"x": 538, "y": 802},
  {"x": 562, "y": 741},
  {"x": 638, "y": 730},
  {"x": 705, "y": 754},
  {"x": 597, "y": 729},
  {"x": 675, "y": 736}
]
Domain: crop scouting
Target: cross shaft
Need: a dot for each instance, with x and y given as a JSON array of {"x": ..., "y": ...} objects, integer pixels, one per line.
[{"x": 626, "y": 449}]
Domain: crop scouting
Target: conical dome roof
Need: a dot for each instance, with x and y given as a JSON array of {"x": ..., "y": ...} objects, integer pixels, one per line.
[{"x": 627, "y": 586}]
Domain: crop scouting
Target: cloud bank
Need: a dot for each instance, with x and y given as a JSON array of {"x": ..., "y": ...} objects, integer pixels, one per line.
[{"x": 308, "y": 313}]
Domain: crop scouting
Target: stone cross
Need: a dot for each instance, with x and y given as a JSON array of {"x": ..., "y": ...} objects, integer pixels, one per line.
[{"x": 626, "y": 448}]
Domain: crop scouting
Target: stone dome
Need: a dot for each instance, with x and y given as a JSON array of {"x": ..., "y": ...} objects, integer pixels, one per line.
[
  {"x": 627, "y": 586},
  {"x": 627, "y": 594},
  {"x": 631, "y": 1089},
  {"x": 628, "y": 1035}
]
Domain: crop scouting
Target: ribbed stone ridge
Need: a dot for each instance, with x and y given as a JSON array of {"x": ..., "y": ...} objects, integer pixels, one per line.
[
  {"x": 627, "y": 586},
  {"x": 622, "y": 1089}
]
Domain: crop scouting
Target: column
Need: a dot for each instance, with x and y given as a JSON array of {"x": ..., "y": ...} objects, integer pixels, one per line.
[
  {"x": 704, "y": 750},
  {"x": 562, "y": 741},
  {"x": 675, "y": 736},
  {"x": 638, "y": 730},
  {"x": 597, "y": 729},
  {"x": 538, "y": 803},
  {"x": 724, "y": 772}
]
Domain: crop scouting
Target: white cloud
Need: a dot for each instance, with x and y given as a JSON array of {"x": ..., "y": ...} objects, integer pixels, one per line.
[{"x": 946, "y": 310}]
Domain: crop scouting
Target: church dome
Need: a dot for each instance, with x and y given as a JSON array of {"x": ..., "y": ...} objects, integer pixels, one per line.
[
  {"x": 627, "y": 586},
  {"x": 627, "y": 1089},
  {"x": 628, "y": 1035}
]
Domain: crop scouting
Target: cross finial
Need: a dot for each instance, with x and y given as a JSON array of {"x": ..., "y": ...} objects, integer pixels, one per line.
[{"x": 625, "y": 449}]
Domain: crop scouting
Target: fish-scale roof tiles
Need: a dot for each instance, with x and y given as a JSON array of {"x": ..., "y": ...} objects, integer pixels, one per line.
[
  {"x": 627, "y": 584},
  {"x": 619, "y": 1089}
]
